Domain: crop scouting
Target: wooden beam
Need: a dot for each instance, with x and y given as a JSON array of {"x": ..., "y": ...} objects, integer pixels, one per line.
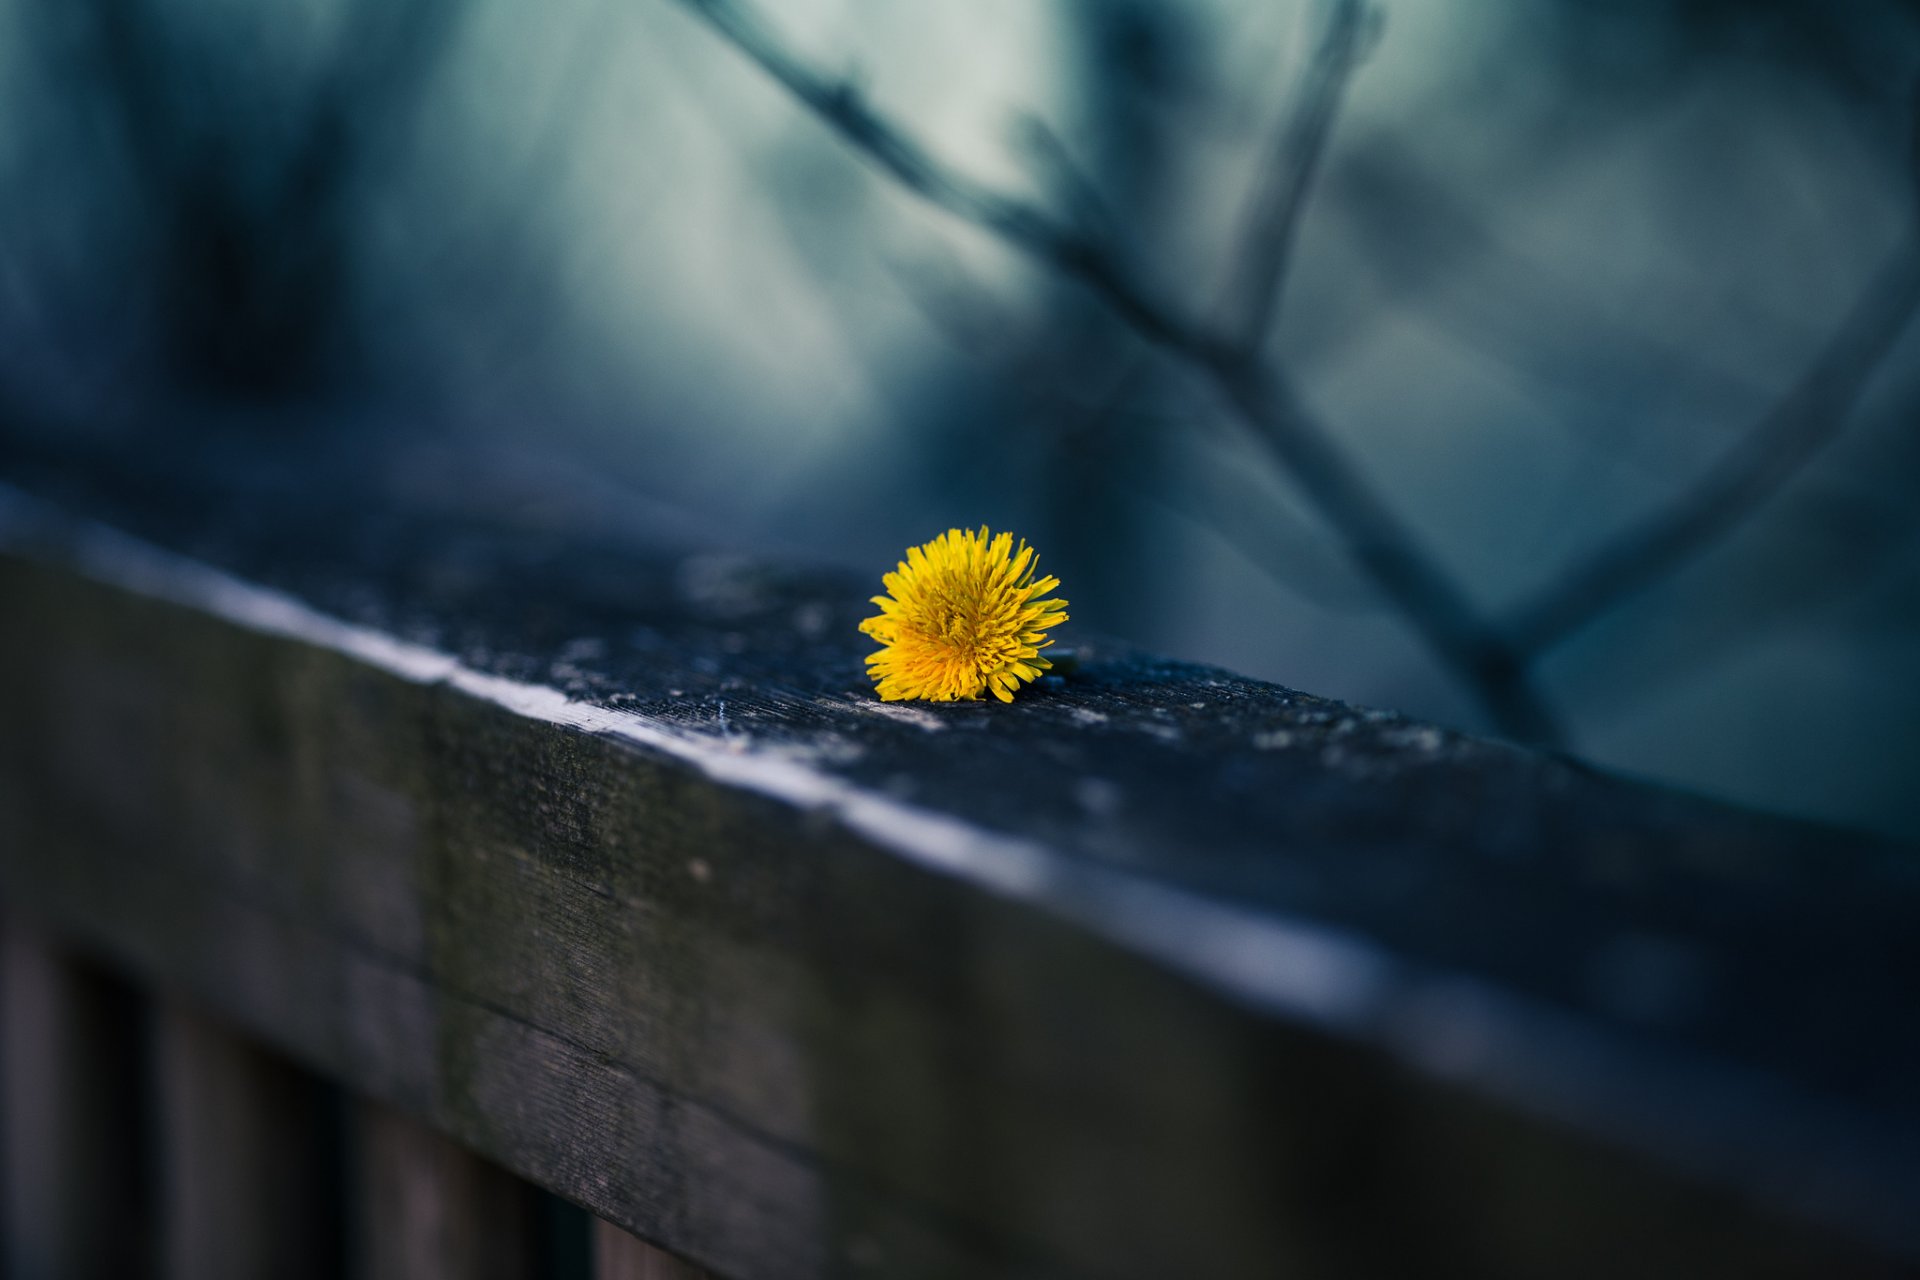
[{"x": 604, "y": 863}]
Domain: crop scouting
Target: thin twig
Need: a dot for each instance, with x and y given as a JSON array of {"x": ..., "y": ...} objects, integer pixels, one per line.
[
  {"x": 1387, "y": 550},
  {"x": 1252, "y": 293},
  {"x": 1018, "y": 222},
  {"x": 1273, "y": 214},
  {"x": 1260, "y": 268},
  {"x": 1384, "y": 548},
  {"x": 1771, "y": 452},
  {"x": 1054, "y": 164},
  {"x": 1434, "y": 250},
  {"x": 1766, "y": 457}
]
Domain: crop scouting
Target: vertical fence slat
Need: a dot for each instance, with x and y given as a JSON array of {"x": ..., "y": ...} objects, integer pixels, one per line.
[
  {"x": 620, "y": 1255},
  {"x": 429, "y": 1210},
  {"x": 72, "y": 1193},
  {"x": 246, "y": 1185}
]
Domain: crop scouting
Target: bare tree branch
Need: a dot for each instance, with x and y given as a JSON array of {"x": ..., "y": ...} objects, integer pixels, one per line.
[
  {"x": 1765, "y": 458},
  {"x": 1434, "y": 250},
  {"x": 1053, "y": 162},
  {"x": 1273, "y": 215},
  {"x": 1025, "y": 226},
  {"x": 1384, "y": 548},
  {"x": 1218, "y": 493},
  {"x": 1260, "y": 268}
]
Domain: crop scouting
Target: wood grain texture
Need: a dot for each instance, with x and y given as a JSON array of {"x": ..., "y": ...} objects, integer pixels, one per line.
[{"x": 601, "y": 861}]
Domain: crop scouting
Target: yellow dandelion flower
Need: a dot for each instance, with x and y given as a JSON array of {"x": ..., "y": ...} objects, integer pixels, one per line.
[{"x": 963, "y": 616}]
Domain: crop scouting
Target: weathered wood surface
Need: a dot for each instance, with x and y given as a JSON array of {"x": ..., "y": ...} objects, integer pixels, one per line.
[{"x": 605, "y": 862}]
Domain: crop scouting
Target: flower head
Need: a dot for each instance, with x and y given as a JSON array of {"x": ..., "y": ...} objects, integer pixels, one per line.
[{"x": 963, "y": 616}]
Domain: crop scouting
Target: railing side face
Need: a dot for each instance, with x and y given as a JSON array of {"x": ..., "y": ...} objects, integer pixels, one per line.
[
  {"x": 683, "y": 1040},
  {"x": 751, "y": 1029},
  {"x": 141, "y": 1138}
]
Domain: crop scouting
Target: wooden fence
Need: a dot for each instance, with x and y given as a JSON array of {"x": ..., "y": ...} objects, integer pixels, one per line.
[{"x": 398, "y": 891}]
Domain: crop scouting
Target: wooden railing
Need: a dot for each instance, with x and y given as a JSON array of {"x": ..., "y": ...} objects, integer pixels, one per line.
[{"x": 385, "y": 884}]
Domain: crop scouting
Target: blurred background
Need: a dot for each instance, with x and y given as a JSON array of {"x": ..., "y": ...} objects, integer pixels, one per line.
[{"x": 1560, "y": 268}]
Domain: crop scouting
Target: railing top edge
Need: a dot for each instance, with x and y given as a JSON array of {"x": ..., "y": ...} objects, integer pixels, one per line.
[{"x": 1585, "y": 946}]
